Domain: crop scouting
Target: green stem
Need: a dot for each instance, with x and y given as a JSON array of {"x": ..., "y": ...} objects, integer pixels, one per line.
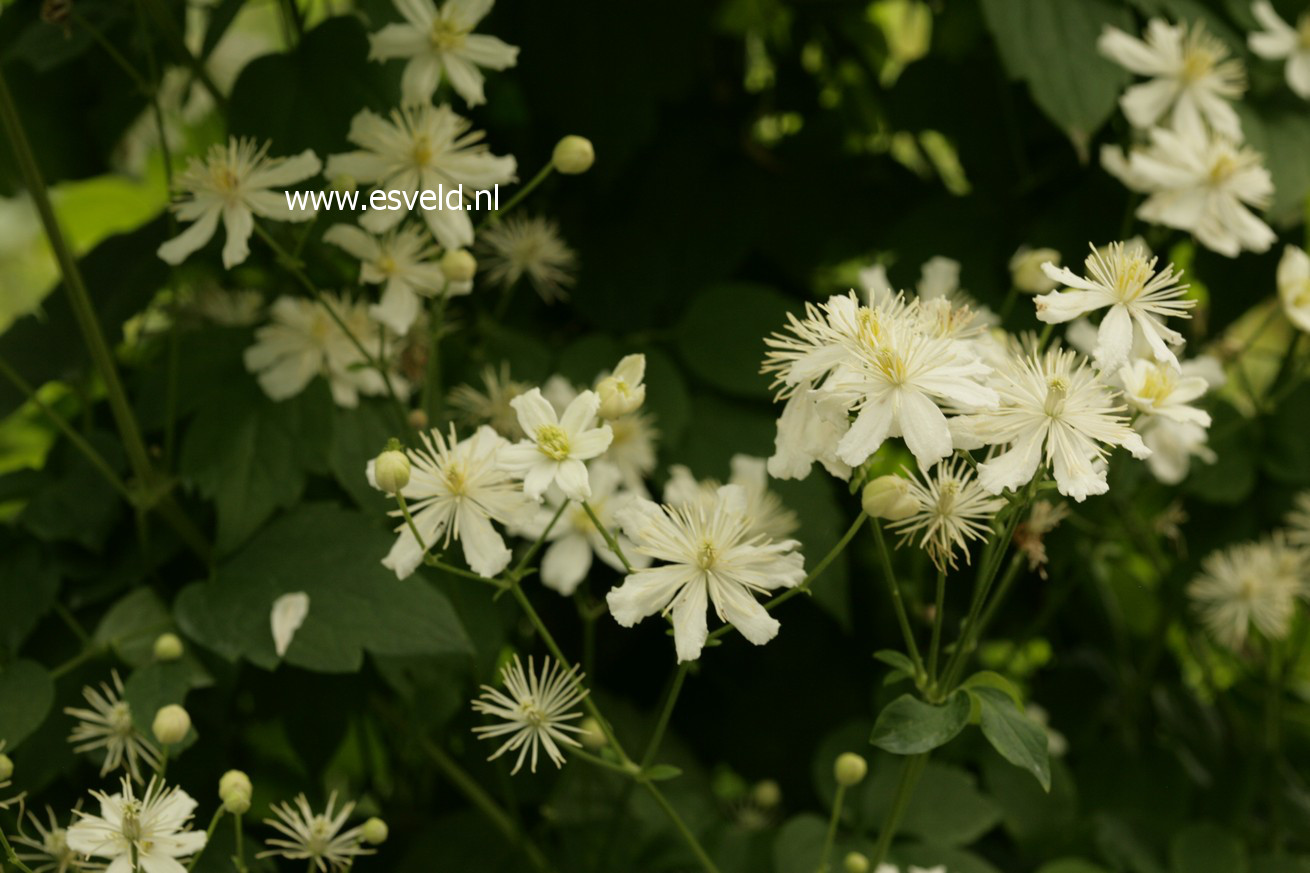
[
  {"x": 910, "y": 773},
  {"x": 89, "y": 653},
  {"x": 687, "y": 835},
  {"x": 431, "y": 400},
  {"x": 973, "y": 631},
  {"x": 804, "y": 587},
  {"x": 209, "y": 838},
  {"x": 902, "y": 617},
  {"x": 600, "y": 762},
  {"x": 486, "y": 805},
  {"x": 170, "y": 30},
  {"x": 609, "y": 537},
  {"x": 494, "y": 218},
  {"x": 521, "y": 568},
  {"x": 114, "y": 54},
  {"x": 831, "y": 836},
  {"x": 11, "y": 854},
  {"x": 938, "y": 619},
  {"x": 409, "y": 520},
  {"x": 240, "y": 858},
  {"x": 666, "y": 712}
]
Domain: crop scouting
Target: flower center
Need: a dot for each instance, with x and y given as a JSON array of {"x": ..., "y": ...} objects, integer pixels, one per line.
[
  {"x": 1223, "y": 167},
  {"x": 947, "y": 494},
  {"x": 1158, "y": 386},
  {"x": 224, "y": 179},
  {"x": 456, "y": 480},
  {"x": 120, "y": 719},
  {"x": 1303, "y": 29},
  {"x": 707, "y": 555},
  {"x": 423, "y": 151},
  {"x": 1301, "y": 296},
  {"x": 446, "y": 35},
  {"x": 130, "y": 826},
  {"x": 319, "y": 835},
  {"x": 1198, "y": 61},
  {"x": 1131, "y": 277},
  {"x": 532, "y": 714},
  {"x": 1056, "y": 391},
  {"x": 387, "y": 264},
  {"x": 553, "y": 442},
  {"x": 892, "y": 366}
]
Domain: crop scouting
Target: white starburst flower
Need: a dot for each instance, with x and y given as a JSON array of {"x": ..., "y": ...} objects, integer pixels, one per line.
[
  {"x": 709, "y": 556},
  {"x": 315, "y": 837},
  {"x": 1250, "y": 585},
  {"x": 437, "y": 41},
  {"x": 139, "y": 833},
  {"x": 1192, "y": 77},
  {"x": 1204, "y": 184},
  {"x": 1294, "y": 286},
  {"x": 953, "y": 509},
  {"x": 456, "y": 489},
  {"x": 404, "y": 262},
  {"x": 528, "y": 246},
  {"x": 108, "y": 725},
  {"x": 1278, "y": 40},
  {"x": 417, "y": 149},
  {"x": 1298, "y": 521},
  {"x": 575, "y": 540},
  {"x": 235, "y": 182},
  {"x": 302, "y": 340},
  {"x": 767, "y": 514},
  {"x": 557, "y": 444},
  {"x": 490, "y": 405},
  {"x": 536, "y": 711},
  {"x": 1173, "y": 429},
  {"x": 1054, "y": 408},
  {"x": 941, "y": 307},
  {"x": 1124, "y": 281},
  {"x": 49, "y": 851}
]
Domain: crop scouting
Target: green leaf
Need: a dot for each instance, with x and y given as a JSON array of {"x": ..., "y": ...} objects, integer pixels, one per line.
[
  {"x": 799, "y": 842},
  {"x": 992, "y": 679},
  {"x": 131, "y": 625},
  {"x": 1232, "y": 476},
  {"x": 355, "y": 604},
  {"x": 76, "y": 504},
  {"x": 250, "y": 454},
  {"x": 946, "y": 808},
  {"x": 358, "y": 435},
  {"x": 28, "y": 586},
  {"x": 1071, "y": 865},
  {"x": 1207, "y": 848},
  {"x": 1019, "y": 740},
  {"x": 721, "y": 336},
  {"x": 1052, "y": 47},
  {"x": 1285, "y": 457},
  {"x": 1280, "y": 864},
  {"x": 908, "y": 726},
  {"x": 662, "y": 772},
  {"x": 896, "y": 660},
  {"x": 26, "y": 694},
  {"x": 932, "y": 854}
]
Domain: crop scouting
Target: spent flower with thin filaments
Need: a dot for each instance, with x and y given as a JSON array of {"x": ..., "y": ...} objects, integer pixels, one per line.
[
  {"x": 491, "y": 404},
  {"x": 147, "y": 833},
  {"x": 108, "y": 725},
  {"x": 49, "y": 851},
  {"x": 315, "y": 837},
  {"x": 535, "y": 711},
  {"x": 1249, "y": 585},
  {"x": 235, "y": 182},
  {"x": 528, "y": 246},
  {"x": 953, "y": 509}
]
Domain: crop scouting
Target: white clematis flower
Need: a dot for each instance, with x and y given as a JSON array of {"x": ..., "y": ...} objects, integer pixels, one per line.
[
  {"x": 1173, "y": 429},
  {"x": 456, "y": 489},
  {"x": 1054, "y": 408},
  {"x": 235, "y": 182},
  {"x": 440, "y": 41},
  {"x": 767, "y": 514},
  {"x": 404, "y": 262},
  {"x": 1294, "y": 286},
  {"x": 1123, "y": 279},
  {"x": 1192, "y": 77},
  {"x": 710, "y": 556},
  {"x": 1279, "y": 40},
  {"x": 556, "y": 445},
  {"x": 147, "y": 833},
  {"x": 417, "y": 149}
]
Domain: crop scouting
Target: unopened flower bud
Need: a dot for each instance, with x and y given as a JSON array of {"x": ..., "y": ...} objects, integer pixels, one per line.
[
  {"x": 850, "y": 769},
  {"x": 623, "y": 391},
  {"x": 457, "y": 265},
  {"x": 168, "y": 647},
  {"x": 573, "y": 155},
  {"x": 171, "y": 725},
  {"x": 591, "y": 735},
  {"x": 234, "y": 789},
  {"x": 855, "y": 863},
  {"x": 344, "y": 183},
  {"x": 417, "y": 419},
  {"x": 6, "y": 767},
  {"x": 374, "y": 831},
  {"x": 391, "y": 471},
  {"x": 1026, "y": 270},
  {"x": 889, "y": 497},
  {"x": 767, "y": 794}
]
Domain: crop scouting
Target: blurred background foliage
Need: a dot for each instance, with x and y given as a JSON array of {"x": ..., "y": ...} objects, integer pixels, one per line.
[{"x": 753, "y": 154}]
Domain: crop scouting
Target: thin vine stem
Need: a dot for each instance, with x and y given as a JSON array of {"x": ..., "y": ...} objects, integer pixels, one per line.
[
  {"x": 898, "y": 602},
  {"x": 610, "y": 540}
]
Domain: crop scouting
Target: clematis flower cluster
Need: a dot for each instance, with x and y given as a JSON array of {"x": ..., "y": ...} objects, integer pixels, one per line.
[{"x": 1190, "y": 161}]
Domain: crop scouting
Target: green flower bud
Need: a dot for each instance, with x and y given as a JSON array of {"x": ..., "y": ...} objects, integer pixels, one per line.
[
  {"x": 234, "y": 789},
  {"x": 573, "y": 155},
  {"x": 591, "y": 735},
  {"x": 850, "y": 769},
  {"x": 767, "y": 794},
  {"x": 1026, "y": 270},
  {"x": 172, "y": 723},
  {"x": 168, "y": 647},
  {"x": 374, "y": 831},
  {"x": 889, "y": 497},
  {"x": 457, "y": 265},
  {"x": 391, "y": 471},
  {"x": 6, "y": 767},
  {"x": 855, "y": 863}
]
